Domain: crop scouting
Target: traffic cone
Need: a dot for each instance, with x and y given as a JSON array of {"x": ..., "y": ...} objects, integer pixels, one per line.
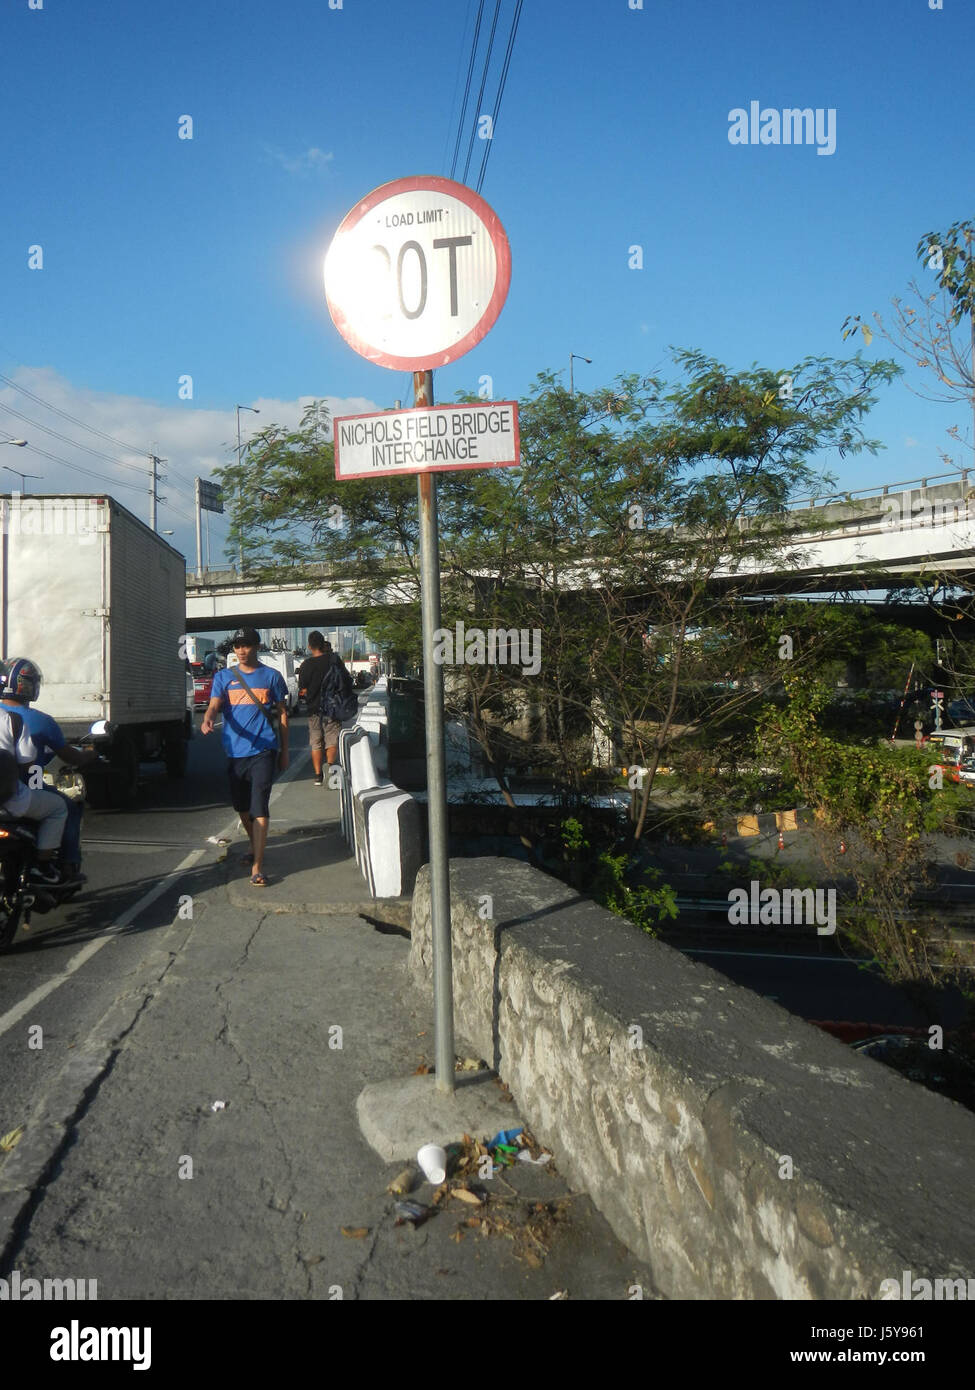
[
  {"x": 842, "y": 846},
  {"x": 781, "y": 840}
]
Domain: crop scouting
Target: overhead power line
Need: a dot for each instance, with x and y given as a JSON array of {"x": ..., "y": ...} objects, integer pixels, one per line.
[
  {"x": 129, "y": 448},
  {"x": 480, "y": 94},
  {"x": 453, "y": 99},
  {"x": 114, "y": 482},
  {"x": 118, "y": 463},
  {"x": 497, "y": 101},
  {"x": 467, "y": 88},
  {"x": 65, "y": 415}
]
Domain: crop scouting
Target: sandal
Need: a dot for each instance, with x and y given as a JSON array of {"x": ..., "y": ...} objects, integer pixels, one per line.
[{"x": 258, "y": 881}]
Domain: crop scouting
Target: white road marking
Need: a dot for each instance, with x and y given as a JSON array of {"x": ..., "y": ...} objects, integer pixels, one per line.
[
  {"x": 15, "y": 1014},
  {"x": 18, "y": 1011}
]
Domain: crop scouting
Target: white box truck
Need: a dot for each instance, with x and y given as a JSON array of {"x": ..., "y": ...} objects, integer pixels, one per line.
[
  {"x": 199, "y": 648},
  {"x": 99, "y": 602}
]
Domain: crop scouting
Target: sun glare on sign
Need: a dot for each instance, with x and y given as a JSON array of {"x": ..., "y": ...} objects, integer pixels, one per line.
[
  {"x": 417, "y": 273},
  {"x": 364, "y": 273}
]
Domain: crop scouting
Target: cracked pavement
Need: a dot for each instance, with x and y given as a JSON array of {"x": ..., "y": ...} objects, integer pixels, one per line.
[{"x": 128, "y": 1176}]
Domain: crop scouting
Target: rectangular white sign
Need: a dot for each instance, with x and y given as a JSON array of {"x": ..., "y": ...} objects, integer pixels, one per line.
[{"x": 428, "y": 439}]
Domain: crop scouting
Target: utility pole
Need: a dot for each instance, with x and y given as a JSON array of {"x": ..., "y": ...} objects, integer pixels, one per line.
[
  {"x": 199, "y": 538},
  {"x": 240, "y": 534},
  {"x": 154, "y": 479}
]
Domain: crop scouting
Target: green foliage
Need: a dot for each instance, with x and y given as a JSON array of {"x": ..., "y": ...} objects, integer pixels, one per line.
[
  {"x": 606, "y": 875},
  {"x": 957, "y": 274},
  {"x": 629, "y": 539},
  {"x": 880, "y": 800}
]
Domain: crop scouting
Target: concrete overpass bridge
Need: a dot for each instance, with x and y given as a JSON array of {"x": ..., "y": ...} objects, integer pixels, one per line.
[
  {"x": 222, "y": 601},
  {"x": 876, "y": 538}
]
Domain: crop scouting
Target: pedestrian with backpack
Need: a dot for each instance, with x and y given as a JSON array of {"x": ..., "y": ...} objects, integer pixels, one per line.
[
  {"x": 250, "y": 695},
  {"x": 311, "y": 673},
  {"x": 338, "y": 702}
]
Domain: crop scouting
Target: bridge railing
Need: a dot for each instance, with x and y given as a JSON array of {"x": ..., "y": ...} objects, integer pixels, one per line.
[
  {"x": 961, "y": 475},
  {"x": 944, "y": 485}
]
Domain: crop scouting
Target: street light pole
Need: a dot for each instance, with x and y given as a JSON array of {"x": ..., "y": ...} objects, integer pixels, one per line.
[
  {"x": 240, "y": 538},
  {"x": 572, "y": 389},
  {"x": 20, "y": 444},
  {"x": 22, "y": 476}
]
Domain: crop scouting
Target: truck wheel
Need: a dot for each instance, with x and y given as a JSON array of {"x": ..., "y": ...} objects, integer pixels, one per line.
[
  {"x": 174, "y": 755},
  {"x": 96, "y": 790},
  {"x": 124, "y": 773}
]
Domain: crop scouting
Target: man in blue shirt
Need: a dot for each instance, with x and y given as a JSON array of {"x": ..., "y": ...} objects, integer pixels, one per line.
[{"x": 247, "y": 695}]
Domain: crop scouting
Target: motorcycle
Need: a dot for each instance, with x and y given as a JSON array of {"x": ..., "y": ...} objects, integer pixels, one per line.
[{"x": 20, "y": 894}]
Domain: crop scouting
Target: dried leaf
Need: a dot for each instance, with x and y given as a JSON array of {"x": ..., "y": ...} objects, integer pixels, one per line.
[
  {"x": 355, "y": 1232},
  {"x": 464, "y": 1194},
  {"x": 11, "y": 1139},
  {"x": 403, "y": 1182},
  {"x": 458, "y": 1235},
  {"x": 423, "y": 1070}
]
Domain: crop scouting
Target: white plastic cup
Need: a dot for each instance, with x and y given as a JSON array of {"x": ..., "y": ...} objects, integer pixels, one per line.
[{"x": 433, "y": 1160}]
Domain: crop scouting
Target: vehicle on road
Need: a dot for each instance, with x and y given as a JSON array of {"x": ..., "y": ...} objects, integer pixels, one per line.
[
  {"x": 283, "y": 662},
  {"x": 199, "y": 649},
  {"x": 20, "y": 894},
  {"x": 202, "y": 684},
  {"x": 99, "y": 602},
  {"x": 947, "y": 1070}
]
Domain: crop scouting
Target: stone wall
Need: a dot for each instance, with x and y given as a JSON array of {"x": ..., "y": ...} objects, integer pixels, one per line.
[{"x": 682, "y": 1103}]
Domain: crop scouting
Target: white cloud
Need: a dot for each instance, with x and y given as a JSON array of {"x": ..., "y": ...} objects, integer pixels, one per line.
[
  {"x": 193, "y": 441},
  {"x": 312, "y": 161}
]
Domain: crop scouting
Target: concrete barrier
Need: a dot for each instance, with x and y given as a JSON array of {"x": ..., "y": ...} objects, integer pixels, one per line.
[
  {"x": 740, "y": 1151},
  {"x": 380, "y": 823}
]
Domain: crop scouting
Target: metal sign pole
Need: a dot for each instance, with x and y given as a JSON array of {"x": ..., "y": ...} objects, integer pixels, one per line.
[{"x": 443, "y": 993}]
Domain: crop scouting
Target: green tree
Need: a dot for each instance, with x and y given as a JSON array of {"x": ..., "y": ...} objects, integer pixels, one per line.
[
  {"x": 883, "y": 803},
  {"x": 644, "y": 514}
]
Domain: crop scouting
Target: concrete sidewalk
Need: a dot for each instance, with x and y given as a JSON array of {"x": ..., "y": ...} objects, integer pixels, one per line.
[{"x": 281, "y": 1003}]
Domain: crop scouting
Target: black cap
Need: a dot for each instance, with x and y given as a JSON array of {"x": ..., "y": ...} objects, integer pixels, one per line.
[{"x": 246, "y": 637}]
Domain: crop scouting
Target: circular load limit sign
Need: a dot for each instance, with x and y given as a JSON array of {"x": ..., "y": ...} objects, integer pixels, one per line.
[{"x": 417, "y": 273}]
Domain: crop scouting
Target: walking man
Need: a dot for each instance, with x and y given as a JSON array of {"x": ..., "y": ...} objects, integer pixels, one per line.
[
  {"x": 249, "y": 695},
  {"x": 311, "y": 673}
]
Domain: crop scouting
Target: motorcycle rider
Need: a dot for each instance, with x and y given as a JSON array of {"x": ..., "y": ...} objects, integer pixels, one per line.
[
  {"x": 41, "y": 740},
  {"x": 20, "y": 802}
]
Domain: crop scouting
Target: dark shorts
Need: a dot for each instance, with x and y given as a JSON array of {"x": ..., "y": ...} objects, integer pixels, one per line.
[{"x": 250, "y": 783}]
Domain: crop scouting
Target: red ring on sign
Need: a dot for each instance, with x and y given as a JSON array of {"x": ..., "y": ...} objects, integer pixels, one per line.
[{"x": 432, "y": 183}]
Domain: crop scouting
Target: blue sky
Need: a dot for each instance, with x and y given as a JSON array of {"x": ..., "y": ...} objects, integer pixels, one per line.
[{"x": 165, "y": 257}]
